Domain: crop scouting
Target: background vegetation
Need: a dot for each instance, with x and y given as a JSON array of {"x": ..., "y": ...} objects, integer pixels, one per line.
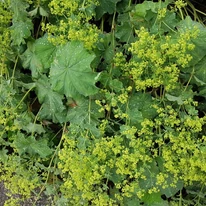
[{"x": 103, "y": 102}]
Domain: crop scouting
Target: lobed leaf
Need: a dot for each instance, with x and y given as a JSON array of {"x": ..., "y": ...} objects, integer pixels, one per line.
[
  {"x": 39, "y": 56},
  {"x": 140, "y": 107},
  {"x": 71, "y": 73},
  {"x": 21, "y": 30},
  {"x": 52, "y": 105},
  {"x": 32, "y": 146},
  {"x": 106, "y": 6},
  {"x": 199, "y": 52}
]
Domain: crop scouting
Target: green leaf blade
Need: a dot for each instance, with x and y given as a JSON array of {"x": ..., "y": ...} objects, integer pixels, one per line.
[
  {"x": 139, "y": 108},
  {"x": 20, "y": 30},
  {"x": 71, "y": 73},
  {"x": 106, "y": 6},
  {"x": 44, "y": 51},
  {"x": 52, "y": 105},
  {"x": 31, "y": 146},
  {"x": 38, "y": 56}
]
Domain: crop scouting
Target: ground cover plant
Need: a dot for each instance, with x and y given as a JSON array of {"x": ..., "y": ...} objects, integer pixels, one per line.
[{"x": 103, "y": 102}]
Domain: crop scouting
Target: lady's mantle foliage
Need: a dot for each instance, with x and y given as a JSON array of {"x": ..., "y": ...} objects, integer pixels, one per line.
[
  {"x": 38, "y": 56},
  {"x": 70, "y": 71}
]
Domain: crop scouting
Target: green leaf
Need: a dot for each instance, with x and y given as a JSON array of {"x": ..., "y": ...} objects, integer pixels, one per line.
[
  {"x": 113, "y": 191},
  {"x": 114, "y": 177},
  {"x": 85, "y": 114},
  {"x": 154, "y": 199},
  {"x": 33, "y": 12},
  {"x": 166, "y": 24},
  {"x": 184, "y": 95},
  {"x": 44, "y": 51},
  {"x": 21, "y": 24},
  {"x": 25, "y": 122},
  {"x": 71, "y": 73},
  {"x": 135, "y": 116},
  {"x": 39, "y": 56},
  {"x": 200, "y": 42},
  {"x": 42, "y": 12},
  {"x": 7, "y": 94},
  {"x": 145, "y": 14},
  {"x": 31, "y": 146},
  {"x": 109, "y": 53},
  {"x": 169, "y": 21},
  {"x": 105, "y": 49},
  {"x": 52, "y": 105},
  {"x": 3, "y": 155},
  {"x": 18, "y": 8},
  {"x": 168, "y": 191},
  {"x": 28, "y": 86},
  {"x": 124, "y": 32},
  {"x": 131, "y": 201},
  {"x": 171, "y": 191},
  {"x": 140, "y": 107},
  {"x": 20, "y": 30},
  {"x": 40, "y": 147},
  {"x": 198, "y": 81},
  {"x": 115, "y": 84},
  {"x": 150, "y": 172},
  {"x": 200, "y": 72},
  {"x": 30, "y": 60},
  {"x": 174, "y": 99},
  {"x": 106, "y": 6},
  {"x": 39, "y": 9},
  {"x": 141, "y": 9},
  {"x": 32, "y": 127}
]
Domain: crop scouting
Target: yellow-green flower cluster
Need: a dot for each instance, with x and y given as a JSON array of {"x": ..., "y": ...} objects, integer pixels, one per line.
[
  {"x": 157, "y": 61},
  {"x": 86, "y": 33},
  {"x": 88, "y": 167},
  {"x": 18, "y": 179},
  {"x": 88, "y": 163},
  {"x": 63, "y": 8},
  {"x": 74, "y": 23},
  {"x": 83, "y": 171},
  {"x": 5, "y": 19},
  {"x": 113, "y": 102},
  {"x": 180, "y": 144},
  {"x": 119, "y": 60},
  {"x": 161, "y": 13},
  {"x": 8, "y": 114},
  {"x": 7, "y": 117},
  {"x": 5, "y": 14},
  {"x": 183, "y": 157},
  {"x": 180, "y": 4}
]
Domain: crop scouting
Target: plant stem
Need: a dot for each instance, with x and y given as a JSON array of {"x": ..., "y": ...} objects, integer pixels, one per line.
[
  {"x": 23, "y": 98},
  {"x": 14, "y": 69},
  {"x": 192, "y": 74},
  {"x": 180, "y": 199}
]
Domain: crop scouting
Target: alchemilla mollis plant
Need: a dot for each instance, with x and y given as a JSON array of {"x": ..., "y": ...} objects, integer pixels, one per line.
[{"x": 103, "y": 102}]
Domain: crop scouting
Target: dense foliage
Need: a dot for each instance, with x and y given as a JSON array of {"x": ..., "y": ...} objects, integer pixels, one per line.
[{"x": 103, "y": 102}]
